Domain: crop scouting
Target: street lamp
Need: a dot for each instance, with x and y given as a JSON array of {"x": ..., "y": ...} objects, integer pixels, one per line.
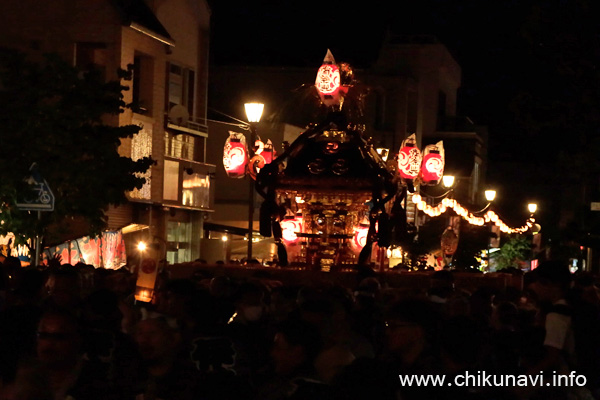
[
  {"x": 253, "y": 113},
  {"x": 448, "y": 181},
  {"x": 490, "y": 195},
  {"x": 532, "y": 207}
]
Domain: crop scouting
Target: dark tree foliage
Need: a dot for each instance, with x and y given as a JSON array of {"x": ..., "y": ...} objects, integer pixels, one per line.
[{"x": 54, "y": 115}]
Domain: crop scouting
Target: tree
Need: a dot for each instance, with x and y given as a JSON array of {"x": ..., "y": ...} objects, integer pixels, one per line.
[
  {"x": 512, "y": 252},
  {"x": 54, "y": 115}
]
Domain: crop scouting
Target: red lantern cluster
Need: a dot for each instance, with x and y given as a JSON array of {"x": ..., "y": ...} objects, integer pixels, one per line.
[
  {"x": 427, "y": 167},
  {"x": 235, "y": 155}
]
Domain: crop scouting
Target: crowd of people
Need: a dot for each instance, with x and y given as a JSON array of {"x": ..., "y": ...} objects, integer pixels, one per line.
[{"x": 75, "y": 332}]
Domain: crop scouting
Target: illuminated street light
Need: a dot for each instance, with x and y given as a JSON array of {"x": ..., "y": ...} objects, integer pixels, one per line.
[
  {"x": 448, "y": 181},
  {"x": 532, "y": 207},
  {"x": 490, "y": 195},
  {"x": 254, "y": 113},
  {"x": 141, "y": 246}
]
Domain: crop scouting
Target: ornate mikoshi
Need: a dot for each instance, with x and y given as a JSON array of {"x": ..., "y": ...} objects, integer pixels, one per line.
[
  {"x": 235, "y": 155},
  {"x": 409, "y": 158},
  {"x": 432, "y": 167}
]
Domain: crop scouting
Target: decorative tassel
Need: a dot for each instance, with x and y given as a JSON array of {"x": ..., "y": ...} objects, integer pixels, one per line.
[{"x": 282, "y": 254}]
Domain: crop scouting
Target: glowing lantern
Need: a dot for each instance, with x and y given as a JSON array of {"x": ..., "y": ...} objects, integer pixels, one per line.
[
  {"x": 290, "y": 227},
  {"x": 328, "y": 81},
  {"x": 409, "y": 158},
  {"x": 234, "y": 155},
  {"x": 360, "y": 236},
  {"x": 432, "y": 168}
]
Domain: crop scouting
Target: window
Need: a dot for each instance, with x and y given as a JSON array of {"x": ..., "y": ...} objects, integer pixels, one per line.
[
  {"x": 171, "y": 181},
  {"x": 143, "y": 82},
  {"x": 91, "y": 56},
  {"x": 196, "y": 190},
  {"x": 181, "y": 82},
  {"x": 184, "y": 146},
  {"x": 179, "y": 238}
]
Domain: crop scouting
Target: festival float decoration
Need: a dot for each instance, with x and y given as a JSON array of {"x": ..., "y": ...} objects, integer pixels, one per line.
[
  {"x": 330, "y": 199},
  {"x": 409, "y": 159},
  {"x": 331, "y": 181},
  {"x": 263, "y": 155},
  {"x": 432, "y": 166},
  {"x": 328, "y": 81},
  {"x": 235, "y": 155}
]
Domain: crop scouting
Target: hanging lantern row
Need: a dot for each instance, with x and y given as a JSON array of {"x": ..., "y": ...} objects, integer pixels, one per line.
[
  {"x": 235, "y": 156},
  {"x": 427, "y": 167},
  {"x": 489, "y": 216}
]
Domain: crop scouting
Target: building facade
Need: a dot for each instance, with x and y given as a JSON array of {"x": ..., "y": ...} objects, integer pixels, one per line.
[{"x": 165, "y": 43}]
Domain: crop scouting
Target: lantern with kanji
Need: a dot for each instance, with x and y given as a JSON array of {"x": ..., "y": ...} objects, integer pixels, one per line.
[
  {"x": 328, "y": 81},
  {"x": 432, "y": 167},
  {"x": 409, "y": 158},
  {"x": 235, "y": 155}
]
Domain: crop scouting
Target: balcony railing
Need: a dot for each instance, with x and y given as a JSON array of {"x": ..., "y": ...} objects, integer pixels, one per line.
[{"x": 197, "y": 126}]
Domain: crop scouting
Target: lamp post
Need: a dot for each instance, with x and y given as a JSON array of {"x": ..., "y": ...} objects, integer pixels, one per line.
[
  {"x": 490, "y": 195},
  {"x": 532, "y": 207},
  {"x": 253, "y": 112},
  {"x": 448, "y": 181}
]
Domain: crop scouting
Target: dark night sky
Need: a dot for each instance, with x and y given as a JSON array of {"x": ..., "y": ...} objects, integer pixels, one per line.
[{"x": 505, "y": 48}]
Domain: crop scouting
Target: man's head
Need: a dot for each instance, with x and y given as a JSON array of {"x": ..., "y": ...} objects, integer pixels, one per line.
[
  {"x": 156, "y": 340},
  {"x": 296, "y": 345},
  {"x": 410, "y": 322},
  {"x": 550, "y": 280},
  {"x": 59, "y": 339}
]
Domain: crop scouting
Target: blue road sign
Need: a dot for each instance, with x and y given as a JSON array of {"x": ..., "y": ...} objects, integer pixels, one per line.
[{"x": 43, "y": 198}]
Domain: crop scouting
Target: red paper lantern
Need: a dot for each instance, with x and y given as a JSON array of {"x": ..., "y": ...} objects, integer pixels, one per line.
[
  {"x": 235, "y": 155},
  {"x": 290, "y": 227},
  {"x": 360, "y": 236},
  {"x": 409, "y": 158},
  {"x": 328, "y": 81},
  {"x": 432, "y": 167}
]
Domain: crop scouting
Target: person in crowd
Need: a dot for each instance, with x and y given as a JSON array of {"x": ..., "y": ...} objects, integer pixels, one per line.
[
  {"x": 247, "y": 330},
  {"x": 550, "y": 283},
  {"x": 63, "y": 287},
  {"x": 60, "y": 350},
  {"x": 295, "y": 347},
  {"x": 167, "y": 375}
]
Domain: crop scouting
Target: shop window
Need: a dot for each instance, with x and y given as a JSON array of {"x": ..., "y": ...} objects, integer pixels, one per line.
[{"x": 179, "y": 238}]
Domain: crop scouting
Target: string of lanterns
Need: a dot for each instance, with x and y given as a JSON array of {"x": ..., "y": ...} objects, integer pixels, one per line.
[{"x": 489, "y": 216}]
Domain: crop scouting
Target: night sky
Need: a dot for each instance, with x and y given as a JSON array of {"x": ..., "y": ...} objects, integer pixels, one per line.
[{"x": 528, "y": 67}]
